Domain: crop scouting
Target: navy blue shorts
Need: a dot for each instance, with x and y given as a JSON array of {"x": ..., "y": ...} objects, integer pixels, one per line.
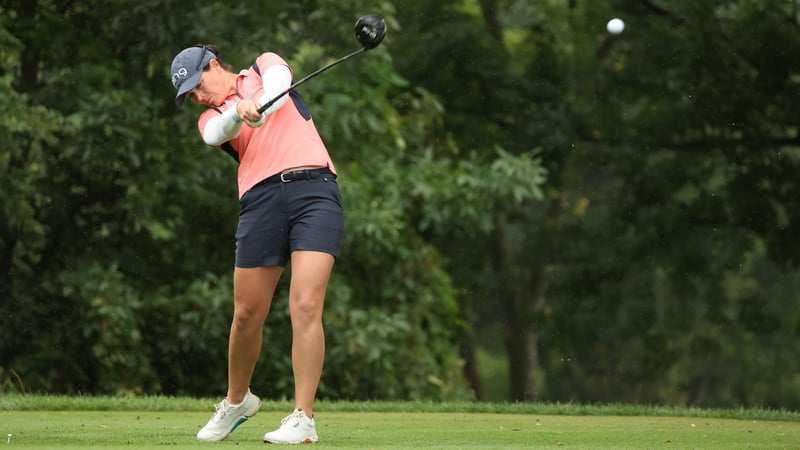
[{"x": 277, "y": 217}]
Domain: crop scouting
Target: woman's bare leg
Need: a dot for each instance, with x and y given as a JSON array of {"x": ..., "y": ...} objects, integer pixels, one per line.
[
  {"x": 253, "y": 290},
  {"x": 310, "y": 275}
]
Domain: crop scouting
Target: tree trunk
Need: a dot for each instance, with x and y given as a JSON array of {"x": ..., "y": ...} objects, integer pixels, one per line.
[
  {"x": 520, "y": 338},
  {"x": 471, "y": 365},
  {"x": 521, "y": 304},
  {"x": 29, "y": 59},
  {"x": 521, "y": 346},
  {"x": 489, "y": 10},
  {"x": 523, "y": 340}
]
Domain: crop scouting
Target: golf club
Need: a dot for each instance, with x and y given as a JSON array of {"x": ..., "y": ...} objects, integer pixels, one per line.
[{"x": 370, "y": 30}]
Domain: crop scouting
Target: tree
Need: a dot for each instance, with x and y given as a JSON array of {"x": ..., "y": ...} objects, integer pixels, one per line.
[
  {"x": 622, "y": 208},
  {"x": 491, "y": 101},
  {"x": 682, "y": 164},
  {"x": 658, "y": 182},
  {"x": 118, "y": 222}
]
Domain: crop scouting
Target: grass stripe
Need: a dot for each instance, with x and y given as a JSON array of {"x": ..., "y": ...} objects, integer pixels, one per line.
[
  {"x": 15, "y": 402},
  {"x": 149, "y": 422},
  {"x": 73, "y": 430}
]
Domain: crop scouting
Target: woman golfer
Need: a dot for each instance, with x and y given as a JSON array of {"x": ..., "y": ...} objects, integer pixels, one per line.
[{"x": 290, "y": 212}]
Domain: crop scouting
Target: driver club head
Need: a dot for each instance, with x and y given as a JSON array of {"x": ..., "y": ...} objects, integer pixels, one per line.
[{"x": 370, "y": 30}]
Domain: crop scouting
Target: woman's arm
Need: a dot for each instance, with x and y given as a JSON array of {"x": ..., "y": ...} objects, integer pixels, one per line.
[
  {"x": 276, "y": 80},
  {"x": 223, "y": 127}
]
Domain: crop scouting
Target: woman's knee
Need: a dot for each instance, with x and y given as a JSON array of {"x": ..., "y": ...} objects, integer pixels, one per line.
[
  {"x": 248, "y": 316},
  {"x": 252, "y": 295},
  {"x": 306, "y": 310}
]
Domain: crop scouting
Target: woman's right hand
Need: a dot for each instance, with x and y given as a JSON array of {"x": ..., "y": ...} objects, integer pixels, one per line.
[{"x": 247, "y": 110}]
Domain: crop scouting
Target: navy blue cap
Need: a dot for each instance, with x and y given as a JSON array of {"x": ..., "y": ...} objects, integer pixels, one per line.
[{"x": 187, "y": 68}]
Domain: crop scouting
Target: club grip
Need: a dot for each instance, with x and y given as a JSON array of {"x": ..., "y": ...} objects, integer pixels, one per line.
[{"x": 266, "y": 106}]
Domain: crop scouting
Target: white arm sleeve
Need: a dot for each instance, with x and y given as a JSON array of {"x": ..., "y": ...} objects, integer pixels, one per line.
[
  {"x": 222, "y": 128},
  {"x": 276, "y": 80}
]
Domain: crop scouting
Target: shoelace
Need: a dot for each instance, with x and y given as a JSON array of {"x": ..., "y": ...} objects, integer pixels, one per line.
[
  {"x": 295, "y": 415},
  {"x": 221, "y": 408}
]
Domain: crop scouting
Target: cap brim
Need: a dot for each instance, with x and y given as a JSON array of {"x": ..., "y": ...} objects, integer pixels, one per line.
[{"x": 187, "y": 86}]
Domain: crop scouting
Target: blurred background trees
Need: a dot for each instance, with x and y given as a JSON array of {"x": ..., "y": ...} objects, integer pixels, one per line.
[{"x": 536, "y": 209}]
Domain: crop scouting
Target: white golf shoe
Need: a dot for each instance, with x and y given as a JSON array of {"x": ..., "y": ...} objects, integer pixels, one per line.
[
  {"x": 296, "y": 428},
  {"x": 228, "y": 417}
]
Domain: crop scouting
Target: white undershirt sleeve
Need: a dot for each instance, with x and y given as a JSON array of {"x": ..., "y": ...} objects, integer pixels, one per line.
[
  {"x": 276, "y": 80},
  {"x": 222, "y": 128}
]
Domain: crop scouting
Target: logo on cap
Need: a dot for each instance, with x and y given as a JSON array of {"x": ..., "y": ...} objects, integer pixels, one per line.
[{"x": 179, "y": 75}]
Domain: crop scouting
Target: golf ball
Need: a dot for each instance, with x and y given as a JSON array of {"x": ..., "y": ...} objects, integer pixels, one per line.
[{"x": 615, "y": 26}]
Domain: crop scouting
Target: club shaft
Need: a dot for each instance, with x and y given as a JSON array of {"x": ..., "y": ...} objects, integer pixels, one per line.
[{"x": 265, "y": 106}]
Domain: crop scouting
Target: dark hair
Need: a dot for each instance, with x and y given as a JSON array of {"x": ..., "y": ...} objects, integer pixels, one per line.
[{"x": 215, "y": 50}]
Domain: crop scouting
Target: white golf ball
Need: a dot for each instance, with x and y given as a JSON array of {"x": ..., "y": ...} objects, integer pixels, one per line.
[{"x": 615, "y": 26}]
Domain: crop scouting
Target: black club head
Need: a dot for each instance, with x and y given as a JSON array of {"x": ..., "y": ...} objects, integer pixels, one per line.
[{"x": 370, "y": 30}]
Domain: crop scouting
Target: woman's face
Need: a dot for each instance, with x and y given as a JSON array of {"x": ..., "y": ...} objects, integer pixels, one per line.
[{"x": 213, "y": 87}]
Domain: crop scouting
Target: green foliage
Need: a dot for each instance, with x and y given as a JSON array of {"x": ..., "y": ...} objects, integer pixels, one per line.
[
  {"x": 117, "y": 227},
  {"x": 627, "y": 202},
  {"x": 696, "y": 187},
  {"x": 669, "y": 151}
]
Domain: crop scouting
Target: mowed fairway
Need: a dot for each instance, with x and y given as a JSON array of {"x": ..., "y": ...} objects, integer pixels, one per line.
[{"x": 368, "y": 430}]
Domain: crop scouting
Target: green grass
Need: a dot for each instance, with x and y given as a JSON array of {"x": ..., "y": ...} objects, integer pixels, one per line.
[{"x": 157, "y": 422}]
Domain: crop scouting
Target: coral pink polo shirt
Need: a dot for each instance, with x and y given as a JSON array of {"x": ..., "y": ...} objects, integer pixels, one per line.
[{"x": 287, "y": 139}]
